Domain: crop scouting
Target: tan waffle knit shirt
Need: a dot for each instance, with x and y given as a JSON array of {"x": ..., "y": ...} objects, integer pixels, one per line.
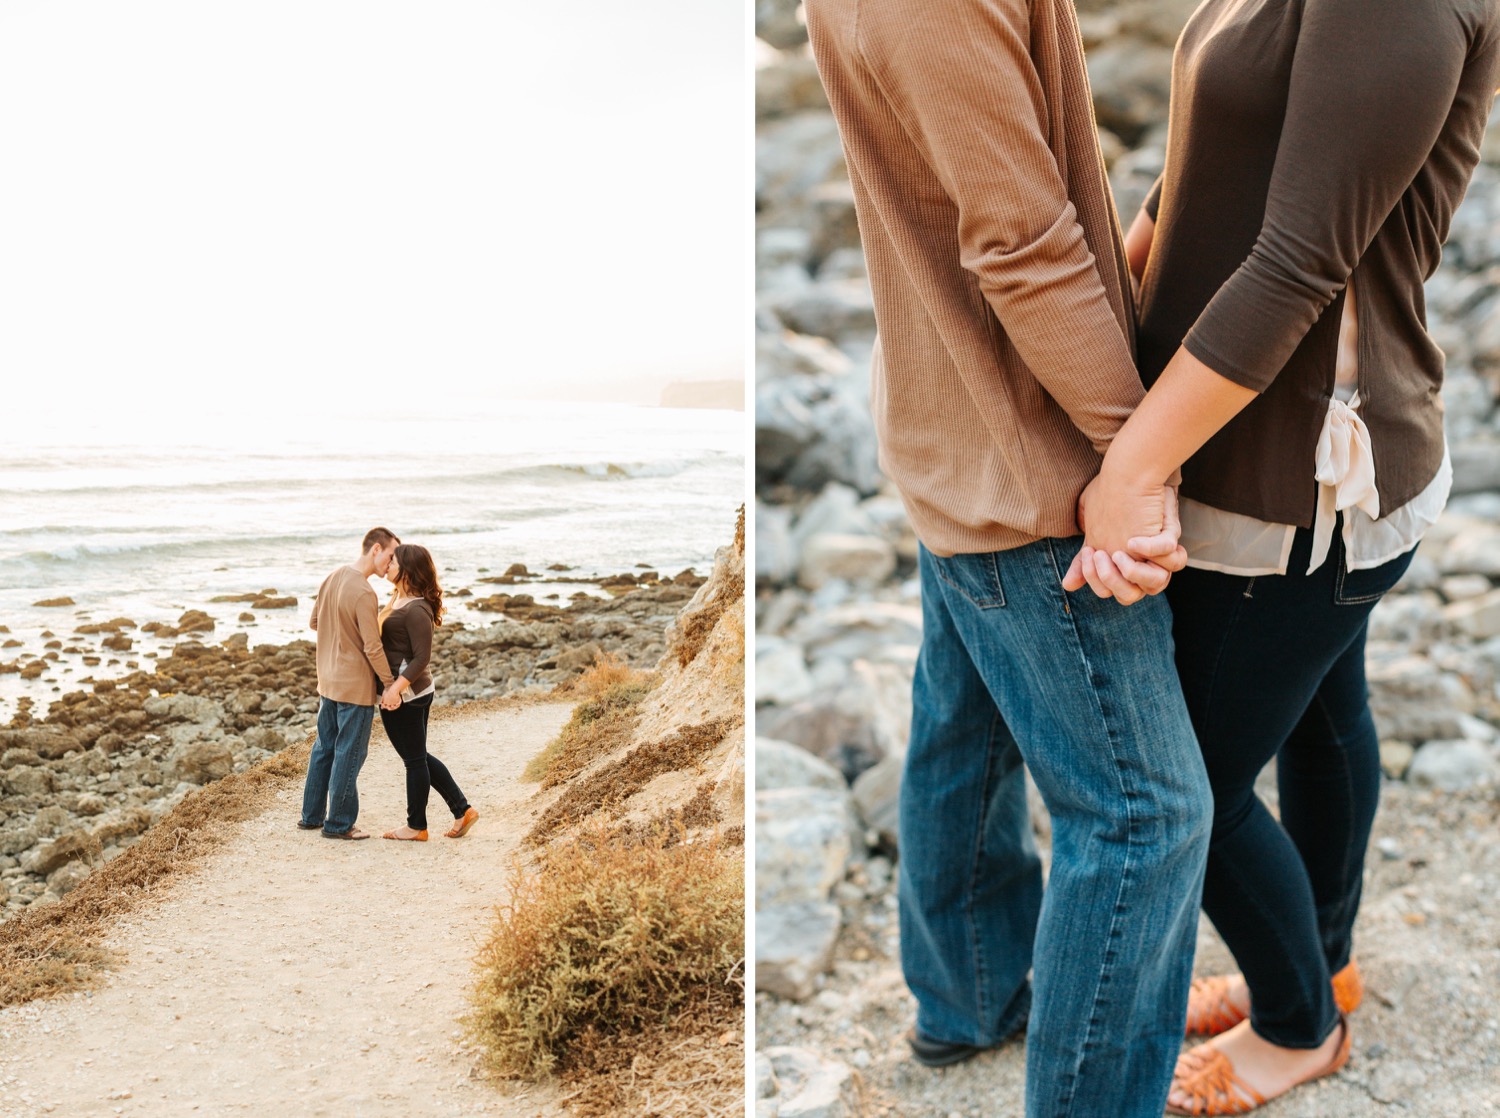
[
  {"x": 1004, "y": 365},
  {"x": 350, "y": 656}
]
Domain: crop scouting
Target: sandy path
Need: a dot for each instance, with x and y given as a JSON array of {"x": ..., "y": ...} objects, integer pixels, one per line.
[{"x": 295, "y": 975}]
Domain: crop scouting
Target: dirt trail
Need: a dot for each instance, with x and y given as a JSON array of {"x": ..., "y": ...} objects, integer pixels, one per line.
[{"x": 296, "y": 975}]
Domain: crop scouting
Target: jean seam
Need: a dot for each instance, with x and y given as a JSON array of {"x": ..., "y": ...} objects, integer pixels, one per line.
[
  {"x": 975, "y": 943},
  {"x": 1065, "y": 1097},
  {"x": 1348, "y": 776},
  {"x": 997, "y": 602}
]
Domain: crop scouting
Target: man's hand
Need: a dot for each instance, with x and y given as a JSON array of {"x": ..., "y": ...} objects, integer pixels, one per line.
[
  {"x": 1130, "y": 540},
  {"x": 391, "y": 700}
]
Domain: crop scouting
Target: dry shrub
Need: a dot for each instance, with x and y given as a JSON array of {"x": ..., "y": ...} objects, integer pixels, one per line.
[
  {"x": 600, "y": 725},
  {"x": 606, "y": 672},
  {"x": 606, "y": 954},
  {"x": 614, "y": 783},
  {"x": 696, "y": 627},
  {"x": 58, "y": 948}
]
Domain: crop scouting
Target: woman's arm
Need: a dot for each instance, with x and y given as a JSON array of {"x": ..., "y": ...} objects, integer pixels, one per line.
[
  {"x": 1138, "y": 243},
  {"x": 1367, "y": 100}
]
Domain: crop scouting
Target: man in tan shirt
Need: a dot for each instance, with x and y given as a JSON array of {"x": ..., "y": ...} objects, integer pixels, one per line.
[
  {"x": 1003, "y": 369},
  {"x": 352, "y": 671}
]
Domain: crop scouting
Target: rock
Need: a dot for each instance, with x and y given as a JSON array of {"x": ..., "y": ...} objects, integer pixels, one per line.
[
  {"x": 859, "y": 630},
  {"x": 124, "y": 823},
  {"x": 861, "y": 560},
  {"x": 117, "y": 643},
  {"x": 777, "y": 23},
  {"x": 195, "y": 621},
  {"x": 247, "y": 616},
  {"x": 202, "y": 761},
  {"x": 1454, "y": 766},
  {"x": 578, "y": 659},
  {"x": 1131, "y": 81},
  {"x": 53, "y": 603},
  {"x": 25, "y": 780},
  {"x": 794, "y": 944},
  {"x": 780, "y": 764},
  {"x": 1474, "y": 551},
  {"x": 65, "y": 879},
  {"x": 788, "y": 85},
  {"x": 90, "y": 803},
  {"x": 1460, "y": 588},
  {"x": 811, "y": 1086},
  {"x": 265, "y": 603},
  {"x": 877, "y": 795},
  {"x": 1476, "y": 466},
  {"x": 68, "y": 847},
  {"x": 1395, "y": 758},
  {"x": 841, "y": 311},
  {"x": 775, "y": 555},
  {"x": 781, "y": 674},
  {"x": 802, "y": 843},
  {"x": 1413, "y": 701},
  {"x": 47, "y": 742},
  {"x": 792, "y": 155},
  {"x": 263, "y": 737},
  {"x": 836, "y": 509},
  {"x": 810, "y": 431},
  {"x": 1477, "y": 618}
]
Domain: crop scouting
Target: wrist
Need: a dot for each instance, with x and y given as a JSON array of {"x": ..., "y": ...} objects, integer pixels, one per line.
[{"x": 1127, "y": 467}]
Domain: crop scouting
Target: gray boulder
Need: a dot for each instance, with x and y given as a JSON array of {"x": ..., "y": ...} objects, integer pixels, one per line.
[{"x": 793, "y": 945}]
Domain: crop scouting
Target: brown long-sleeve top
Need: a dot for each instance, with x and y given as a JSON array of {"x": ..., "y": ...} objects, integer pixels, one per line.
[
  {"x": 1004, "y": 365},
  {"x": 1311, "y": 142},
  {"x": 350, "y": 658},
  {"x": 406, "y": 633}
]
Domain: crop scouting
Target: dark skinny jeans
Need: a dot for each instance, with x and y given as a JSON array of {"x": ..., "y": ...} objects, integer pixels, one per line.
[
  {"x": 406, "y": 726},
  {"x": 1274, "y": 666}
]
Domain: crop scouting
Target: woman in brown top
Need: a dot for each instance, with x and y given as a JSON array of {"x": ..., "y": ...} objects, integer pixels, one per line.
[
  {"x": 1317, "y": 151},
  {"x": 406, "y": 626}
]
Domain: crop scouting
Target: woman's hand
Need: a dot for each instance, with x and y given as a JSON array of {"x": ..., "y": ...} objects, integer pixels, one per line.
[
  {"x": 1131, "y": 533},
  {"x": 391, "y": 700}
]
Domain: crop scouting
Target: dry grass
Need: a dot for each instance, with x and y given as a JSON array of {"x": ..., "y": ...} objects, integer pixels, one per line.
[
  {"x": 614, "y": 783},
  {"x": 60, "y": 948},
  {"x": 697, "y": 627},
  {"x": 620, "y": 966},
  {"x": 600, "y": 725}
]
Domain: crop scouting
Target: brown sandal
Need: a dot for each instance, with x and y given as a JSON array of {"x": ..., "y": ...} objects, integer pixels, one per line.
[
  {"x": 1206, "y": 1075},
  {"x": 461, "y": 826},
  {"x": 1210, "y": 1012}
]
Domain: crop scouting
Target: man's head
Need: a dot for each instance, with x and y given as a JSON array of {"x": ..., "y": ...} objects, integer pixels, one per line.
[{"x": 379, "y": 546}]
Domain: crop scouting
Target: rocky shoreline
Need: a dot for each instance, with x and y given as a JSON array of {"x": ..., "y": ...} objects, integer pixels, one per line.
[
  {"x": 838, "y": 621},
  {"x": 81, "y": 781}
]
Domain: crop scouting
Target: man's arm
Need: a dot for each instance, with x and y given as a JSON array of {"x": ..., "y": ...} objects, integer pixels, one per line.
[
  {"x": 366, "y": 618},
  {"x": 960, "y": 79}
]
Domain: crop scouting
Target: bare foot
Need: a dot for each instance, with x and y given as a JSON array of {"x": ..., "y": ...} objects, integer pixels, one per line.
[
  {"x": 1262, "y": 1067},
  {"x": 1217, "y": 1003}
]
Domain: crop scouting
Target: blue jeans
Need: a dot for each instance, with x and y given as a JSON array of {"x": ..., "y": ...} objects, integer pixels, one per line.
[
  {"x": 330, "y": 795},
  {"x": 1084, "y": 692},
  {"x": 1275, "y": 667}
]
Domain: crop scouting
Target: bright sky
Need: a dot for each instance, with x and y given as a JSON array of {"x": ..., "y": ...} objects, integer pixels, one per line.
[{"x": 280, "y": 200}]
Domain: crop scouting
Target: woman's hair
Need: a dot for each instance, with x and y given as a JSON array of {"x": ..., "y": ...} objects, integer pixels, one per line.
[{"x": 419, "y": 576}]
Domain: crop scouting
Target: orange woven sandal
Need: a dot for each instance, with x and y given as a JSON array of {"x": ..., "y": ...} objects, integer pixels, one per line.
[
  {"x": 1210, "y": 1012},
  {"x": 1207, "y": 1077}
]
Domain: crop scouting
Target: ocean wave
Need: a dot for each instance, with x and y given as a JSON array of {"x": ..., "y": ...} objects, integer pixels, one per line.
[{"x": 551, "y": 471}]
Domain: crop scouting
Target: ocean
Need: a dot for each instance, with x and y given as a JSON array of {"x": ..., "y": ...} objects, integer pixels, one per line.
[{"x": 148, "y": 524}]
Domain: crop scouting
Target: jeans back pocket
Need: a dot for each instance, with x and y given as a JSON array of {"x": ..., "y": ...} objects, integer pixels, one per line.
[
  {"x": 1358, "y": 588},
  {"x": 976, "y": 577}
]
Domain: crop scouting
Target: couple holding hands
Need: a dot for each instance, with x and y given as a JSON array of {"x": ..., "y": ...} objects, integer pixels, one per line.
[
  {"x": 358, "y": 645},
  {"x": 1043, "y": 390}
]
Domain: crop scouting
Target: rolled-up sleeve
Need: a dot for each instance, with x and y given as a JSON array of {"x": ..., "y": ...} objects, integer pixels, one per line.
[
  {"x": 1371, "y": 87},
  {"x": 970, "y": 99}
]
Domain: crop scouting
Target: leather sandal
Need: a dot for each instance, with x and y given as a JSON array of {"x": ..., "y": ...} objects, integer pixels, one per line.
[
  {"x": 1207, "y": 1077},
  {"x": 461, "y": 826},
  {"x": 419, "y": 836},
  {"x": 1210, "y": 1012}
]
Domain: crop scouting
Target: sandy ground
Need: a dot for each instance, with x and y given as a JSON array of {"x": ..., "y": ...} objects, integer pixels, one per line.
[
  {"x": 297, "y": 975},
  {"x": 1426, "y": 1040}
]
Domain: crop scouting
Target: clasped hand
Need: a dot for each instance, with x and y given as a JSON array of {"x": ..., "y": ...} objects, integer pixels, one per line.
[
  {"x": 391, "y": 699},
  {"x": 1130, "y": 540}
]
